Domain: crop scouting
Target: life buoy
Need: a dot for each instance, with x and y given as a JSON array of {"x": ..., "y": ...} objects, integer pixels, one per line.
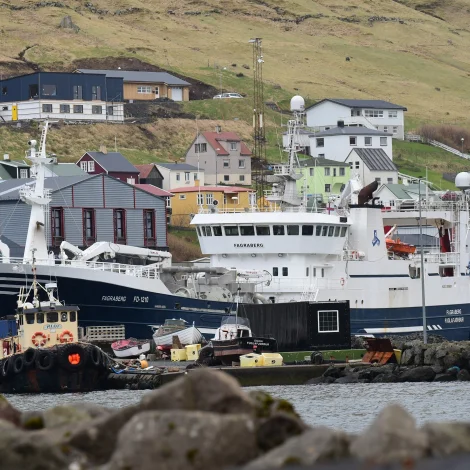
[
  {"x": 63, "y": 339},
  {"x": 341, "y": 281},
  {"x": 36, "y": 341}
]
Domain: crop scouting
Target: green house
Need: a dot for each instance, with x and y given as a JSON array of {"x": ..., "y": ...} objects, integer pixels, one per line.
[{"x": 322, "y": 178}]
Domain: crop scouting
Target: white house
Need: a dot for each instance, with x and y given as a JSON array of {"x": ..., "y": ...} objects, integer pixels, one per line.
[
  {"x": 374, "y": 114},
  {"x": 336, "y": 143},
  {"x": 178, "y": 175},
  {"x": 390, "y": 193},
  {"x": 372, "y": 164}
]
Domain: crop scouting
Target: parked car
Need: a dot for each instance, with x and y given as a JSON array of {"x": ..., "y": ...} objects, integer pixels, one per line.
[{"x": 227, "y": 95}]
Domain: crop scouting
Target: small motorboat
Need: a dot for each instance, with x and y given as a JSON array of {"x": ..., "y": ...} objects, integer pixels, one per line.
[
  {"x": 130, "y": 348},
  {"x": 163, "y": 336},
  {"x": 398, "y": 247}
]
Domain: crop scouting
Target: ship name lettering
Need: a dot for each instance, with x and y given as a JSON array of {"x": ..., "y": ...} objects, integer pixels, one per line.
[
  {"x": 113, "y": 298},
  {"x": 457, "y": 311},
  {"x": 140, "y": 299},
  {"x": 248, "y": 245},
  {"x": 454, "y": 320}
]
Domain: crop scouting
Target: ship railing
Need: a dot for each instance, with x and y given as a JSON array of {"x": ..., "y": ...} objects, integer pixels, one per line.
[
  {"x": 410, "y": 206},
  {"x": 439, "y": 258},
  {"x": 301, "y": 285}
]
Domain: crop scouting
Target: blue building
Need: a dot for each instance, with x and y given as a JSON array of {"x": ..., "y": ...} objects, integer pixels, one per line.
[{"x": 56, "y": 95}]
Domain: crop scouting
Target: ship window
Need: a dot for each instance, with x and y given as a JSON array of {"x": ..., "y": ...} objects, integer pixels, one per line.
[
  {"x": 39, "y": 317},
  {"x": 307, "y": 229},
  {"x": 247, "y": 230},
  {"x": 285, "y": 271},
  {"x": 343, "y": 231},
  {"x": 337, "y": 231},
  {"x": 292, "y": 230},
  {"x": 276, "y": 272},
  {"x": 217, "y": 229},
  {"x": 73, "y": 316},
  {"x": 198, "y": 231},
  {"x": 52, "y": 317},
  {"x": 231, "y": 230},
  {"x": 324, "y": 232},
  {"x": 278, "y": 229},
  {"x": 63, "y": 316},
  {"x": 21, "y": 321},
  {"x": 328, "y": 321},
  {"x": 29, "y": 318},
  {"x": 318, "y": 230},
  {"x": 208, "y": 231},
  {"x": 306, "y": 271},
  {"x": 331, "y": 230},
  {"x": 263, "y": 230}
]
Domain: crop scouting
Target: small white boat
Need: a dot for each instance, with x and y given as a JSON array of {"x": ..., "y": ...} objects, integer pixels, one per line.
[
  {"x": 163, "y": 336},
  {"x": 129, "y": 348}
]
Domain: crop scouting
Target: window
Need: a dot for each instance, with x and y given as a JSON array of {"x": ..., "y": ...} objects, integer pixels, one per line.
[
  {"x": 320, "y": 142},
  {"x": 226, "y": 178},
  {"x": 389, "y": 180},
  {"x": 96, "y": 93},
  {"x": 311, "y": 171},
  {"x": 324, "y": 231},
  {"x": 231, "y": 230},
  {"x": 328, "y": 321},
  {"x": 233, "y": 146},
  {"x": 200, "y": 199},
  {"x": 252, "y": 198},
  {"x": 385, "y": 128},
  {"x": 357, "y": 165},
  {"x": 352, "y": 141},
  {"x": 23, "y": 173},
  {"x": 52, "y": 317},
  {"x": 378, "y": 180},
  {"x": 119, "y": 217},
  {"x": 195, "y": 177},
  {"x": 242, "y": 177},
  {"x": 182, "y": 196},
  {"x": 285, "y": 271},
  {"x": 343, "y": 231},
  {"x": 168, "y": 201},
  {"x": 49, "y": 90},
  {"x": 178, "y": 177},
  {"x": 337, "y": 228},
  {"x": 84, "y": 166},
  {"x": 334, "y": 171},
  {"x": 78, "y": 108},
  {"x": 383, "y": 141},
  {"x": 217, "y": 229},
  {"x": 327, "y": 171},
  {"x": 292, "y": 230},
  {"x": 395, "y": 129},
  {"x": 247, "y": 230},
  {"x": 331, "y": 230},
  {"x": 393, "y": 114},
  {"x": 65, "y": 108},
  {"x": 186, "y": 176},
  {"x": 57, "y": 226},
  {"x": 97, "y": 109},
  {"x": 207, "y": 231},
  {"x": 73, "y": 316},
  {"x": 91, "y": 166},
  {"x": 355, "y": 112},
  {"x": 241, "y": 163},
  {"x": 320, "y": 155},
  {"x": 275, "y": 272},
  {"x": 47, "y": 108},
  {"x": 77, "y": 92},
  {"x": 368, "y": 141},
  {"x": 144, "y": 89},
  {"x": 377, "y": 113},
  {"x": 4, "y": 90},
  {"x": 150, "y": 238},
  {"x": 262, "y": 230},
  {"x": 342, "y": 171},
  {"x": 306, "y": 271},
  {"x": 209, "y": 198},
  {"x": 110, "y": 110},
  {"x": 226, "y": 163},
  {"x": 318, "y": 231},
  {"x": 327, "y": 188},
  {"x": 39, "y": 317},
  {"x": 200, "y": 148},
  {"x": 278, "y": 229},
  {"x": 307, "y": 229},
  {"x": 89, "y": 227},
  {"x": 351, "y": 165}
]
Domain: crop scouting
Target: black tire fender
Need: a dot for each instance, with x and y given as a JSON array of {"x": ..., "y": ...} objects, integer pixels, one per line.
[
  {"x": 66, "y": 350},
  {"x": 18, "y": 364},
  {"x": 29, "y": 357},
  {"x": 94, "y": 356},
  {"x": 45, "y": 360},
  {"x": 6, "y": 367},
  {"x": 316, "y": 358}
]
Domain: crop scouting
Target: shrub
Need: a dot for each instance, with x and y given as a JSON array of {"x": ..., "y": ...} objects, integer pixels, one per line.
[{"x": 449, "y": 135}]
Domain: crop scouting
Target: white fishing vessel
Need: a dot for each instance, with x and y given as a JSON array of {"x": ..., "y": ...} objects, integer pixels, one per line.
[
  {"x": 346, "y": 253},
  {"x": 163, "y": 335}
]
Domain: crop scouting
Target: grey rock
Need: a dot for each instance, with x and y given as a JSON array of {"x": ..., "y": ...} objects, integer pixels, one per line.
[
  {"x": 417, "y": 374},
  {"x": 67, "y": 23},
  {"x": 63, "y": 415},
  {"x": 32, "y": 420},
  {"x": 315, "y": 381},
  {"x": 453, "y": 358},
  {"x": 445, "y": 378},
  {"x": 8, "y": 412},
  {"x": 329, "y": 380},
  {"x": 407, "y": 357},
  {"x": 463, "y": 375},
  {"x": 392, "y": 437},
  {"x": 315, "y": 445},
  {"x": 447, "y": 438},
  {"x": 386, "y": 377},
  {"x": 430, "y": 356},
  {"x": 348, "y": 379},
  {"x": 438, "y": 369},
  {"x": 333, "y": 371},
  {"x": 266, "y": 405},
  {"x": 178, "y": 440}
]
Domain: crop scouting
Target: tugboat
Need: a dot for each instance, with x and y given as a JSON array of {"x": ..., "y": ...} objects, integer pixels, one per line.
[{"x": 41, "y": 352}]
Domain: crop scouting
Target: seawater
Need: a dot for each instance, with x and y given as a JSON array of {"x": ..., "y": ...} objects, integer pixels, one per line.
[{"x": 350, "y": 407}]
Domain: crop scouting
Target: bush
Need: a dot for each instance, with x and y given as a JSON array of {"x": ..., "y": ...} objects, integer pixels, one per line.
[
  {"x": 182, "y": 250},
  {"x": 449, "y": 135}
]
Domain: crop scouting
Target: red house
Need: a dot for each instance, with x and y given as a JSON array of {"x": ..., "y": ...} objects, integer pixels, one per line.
[{"x": 112, "y": 163}]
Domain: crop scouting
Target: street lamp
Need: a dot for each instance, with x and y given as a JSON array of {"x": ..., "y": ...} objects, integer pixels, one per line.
[
  {"x": 423, "y": 297},
  {"x": 461, "y": 140},
  {"x": 220, "y": 78}
]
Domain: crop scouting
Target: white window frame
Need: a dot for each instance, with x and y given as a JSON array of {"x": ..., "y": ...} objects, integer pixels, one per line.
[
  {"x": 393, "y": 114},
  {"x": 226, "y": 178},
  {"x": 233, "y": 146},
  {"x": 209, "y": 198},
  {"x": 226, "y": 163},
  {"x": 395, "y": 129},
  {"x": 130, "y": 180},
  {"x": 342, "y": 171},
  {"x": 200, "y": 148},
  {"x": 374, "y": 113},
  {"x": 91, "y": 166},
  {"x": 84, "y": 166},
  {"x": 242, "y": 178},
  {"x": 187, "y": 176},
  {"x": 144, "y": 90},
  {"x": 320, "y": 140},
  {"x": 352, "y": 141},
  {"x": 383, "y": 142},
  {"x": 385, "y": 128},
  {"x": 327, "y": 188},
  {"x": 337, "y": 321},
  {"x": 241, "y": 164},
  {"x": 168, "y": 201},
  {"x": 178, "y": 177},
  {"x": 368, "y": 141},
  {"x": 23, "y": 173},
  {"x": 200, "y": 199},
  {"x": 327, "y": 171},
  {"x": 182, "y": 196}
]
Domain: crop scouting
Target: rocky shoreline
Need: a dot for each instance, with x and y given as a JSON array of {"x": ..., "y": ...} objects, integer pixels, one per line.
[{"x": 206, "y": 421}]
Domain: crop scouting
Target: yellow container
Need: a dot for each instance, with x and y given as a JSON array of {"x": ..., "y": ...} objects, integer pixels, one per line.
[
  {"x": 398, "y": 355},
  {"x": 178, "y": 355},
  {"x": 251, "y": 360},
  {"x": 271, "y": 359},
  {"x": 192, "y": 351}
]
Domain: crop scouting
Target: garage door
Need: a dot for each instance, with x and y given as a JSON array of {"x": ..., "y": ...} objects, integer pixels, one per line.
[{"x": 176, "y": 93}]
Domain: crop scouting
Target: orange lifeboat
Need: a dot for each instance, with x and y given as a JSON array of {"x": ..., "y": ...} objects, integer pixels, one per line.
[{"x": 398, "y": 247}]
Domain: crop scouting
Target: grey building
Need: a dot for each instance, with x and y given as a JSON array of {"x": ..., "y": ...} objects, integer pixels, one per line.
[
  {"x": 84, "y": 210},
  {"x": 10, "y": 169}
]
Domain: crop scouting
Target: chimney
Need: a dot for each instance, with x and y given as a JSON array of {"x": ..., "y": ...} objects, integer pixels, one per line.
[
  {"x": 340, "y": 123},
  {"x": 218, "y": 129},
  {"x": 6, "y": 157},
  {"x": 103, "y": 149}
]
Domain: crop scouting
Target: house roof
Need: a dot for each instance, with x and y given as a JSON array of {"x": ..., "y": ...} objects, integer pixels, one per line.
[
  {"x": 14, "y": 163},
  {"x": 65, "y": 169},
  {"x": 371, "y": 104},
  {"x": 352, "y": 130},
  {"x": 150, "y": 188},
  {"x": 320, "y": 162},
  {"x": 224, "y": 189},
  {"x": 179, "y": 166},
  {"x": 375, "y": 159},
  {"x": 213, "y": 138},
  {"x": 145, "y": 169},
  {"x": 139, "y": 76},
  {"x": 4, "y": 175},
  {"x": 113, "y": 161},
  {"x": 402, "y": 191}
]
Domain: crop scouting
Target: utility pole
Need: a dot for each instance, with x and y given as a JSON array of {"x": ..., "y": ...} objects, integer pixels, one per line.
[{"x": 423, "y": 296}]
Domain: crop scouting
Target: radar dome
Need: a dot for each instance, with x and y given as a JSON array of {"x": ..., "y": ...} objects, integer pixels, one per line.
[
  {"x": 462, "y": 180},
  {"x": 297, "y": 103}
]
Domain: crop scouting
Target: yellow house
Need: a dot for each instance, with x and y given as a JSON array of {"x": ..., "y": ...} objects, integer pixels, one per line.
[{"x": 188, "y": 201}]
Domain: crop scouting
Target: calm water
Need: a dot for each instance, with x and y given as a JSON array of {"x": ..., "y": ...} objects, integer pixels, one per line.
[{"x": 348, "y": 407}]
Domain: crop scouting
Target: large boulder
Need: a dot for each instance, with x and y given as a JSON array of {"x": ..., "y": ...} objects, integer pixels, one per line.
[
  {"x": 317, "y": 445},
  {"x": 392, "y": 437},
  {"x": 72, "y": 414},
  {"x": 407, "y": 357},
  {"x": 181, "y": 440},
  {"x": 386, "y": 377},
  {"x": 8, "y": 412},
  {"x": 417, "y": 374},
  {"x": 463, "y": 375},
  {"x": 447, "y": 438},
  {"x": 352, "y": 378},
  {"x": 333, "y": 371},
  {"x": 445, "y": 378}
]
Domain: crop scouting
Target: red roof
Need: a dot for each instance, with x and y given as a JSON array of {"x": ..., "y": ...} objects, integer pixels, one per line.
[
  {"x": 213, "y": 138},
  {"x": 150, "y": 188},
  {"x": 225, "y": 189},
  {"x": 145, "y": 169}
]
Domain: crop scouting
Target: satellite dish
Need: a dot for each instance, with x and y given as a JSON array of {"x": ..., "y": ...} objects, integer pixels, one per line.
[
  {"x": 462, "y": 180},
  {"x": 215, "y": 202},
  {"x": 297, "y": 103}
]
